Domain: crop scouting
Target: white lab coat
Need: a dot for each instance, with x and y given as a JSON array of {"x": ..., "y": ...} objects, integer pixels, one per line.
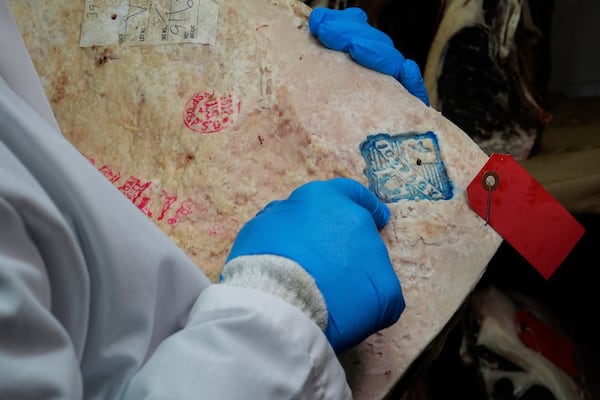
[{"x": 97, "y": 303}]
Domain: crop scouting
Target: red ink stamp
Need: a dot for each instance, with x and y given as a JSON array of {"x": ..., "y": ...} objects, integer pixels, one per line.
[
  {"x": 109, "y": 174},
  {"x": 142, "y": 193},
  {"x": 133, "y": 188},
  {"x": 169, "y": 200},
  {"x": 185, "y": 209},
  {"x": 206, "y": 113}
]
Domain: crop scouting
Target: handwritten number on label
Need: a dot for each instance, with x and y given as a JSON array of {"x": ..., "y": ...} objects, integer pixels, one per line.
[
  {"x": 189, "y": 3},
  {"x": 92, "y": 8}
]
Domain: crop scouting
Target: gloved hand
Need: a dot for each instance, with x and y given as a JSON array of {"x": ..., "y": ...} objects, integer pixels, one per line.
[
  {"x": 348, "y": 30},
  {"x": 330, "y": 228}
]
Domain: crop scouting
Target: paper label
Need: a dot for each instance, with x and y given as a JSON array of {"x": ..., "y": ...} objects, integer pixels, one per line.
[
  {"x": 148, "y": 22},
  {"x": 535, "y": 224}
]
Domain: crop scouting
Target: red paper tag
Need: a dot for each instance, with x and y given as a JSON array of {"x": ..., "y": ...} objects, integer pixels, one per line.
[
  {"x": 540, "y": 337},
  {"x": 513, "y": 203}
]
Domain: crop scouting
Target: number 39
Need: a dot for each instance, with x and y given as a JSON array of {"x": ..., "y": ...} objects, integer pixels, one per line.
[{"x": 93, "y": 13}]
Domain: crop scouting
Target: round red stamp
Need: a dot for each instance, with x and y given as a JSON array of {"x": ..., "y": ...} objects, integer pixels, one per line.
[{"x": 206, "y": 113}]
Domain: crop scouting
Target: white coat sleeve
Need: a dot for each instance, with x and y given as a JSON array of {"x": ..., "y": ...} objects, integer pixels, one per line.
[
  {"x": 242, "y": 344},
  {"x": 37, "y": 358}
]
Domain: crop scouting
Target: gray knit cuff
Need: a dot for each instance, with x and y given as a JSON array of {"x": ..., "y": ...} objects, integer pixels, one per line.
[{"x": 280, "y": 277}]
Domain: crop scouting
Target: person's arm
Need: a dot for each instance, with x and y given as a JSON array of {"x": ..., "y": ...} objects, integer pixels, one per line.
[
  {"x": 242, "y": 343},
  {"x": 311, "y": 264},
  {"x": 349, "y": 31}
]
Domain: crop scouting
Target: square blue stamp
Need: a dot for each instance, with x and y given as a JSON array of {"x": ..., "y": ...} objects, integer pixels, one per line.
[{"x": 405, "y": 167}]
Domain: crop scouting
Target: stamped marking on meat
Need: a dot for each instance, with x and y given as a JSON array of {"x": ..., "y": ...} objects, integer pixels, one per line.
[
  {"x": 206, "y": 113},
  {"x": 405, "y": 167},
  {"x": 139, "y": 192}
]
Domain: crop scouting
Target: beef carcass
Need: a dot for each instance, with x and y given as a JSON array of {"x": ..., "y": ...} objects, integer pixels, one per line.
[
  {"x": 519, "y": 348},
  {"x": 487, "y": 69},
  {"x": 201, "y": 136}
]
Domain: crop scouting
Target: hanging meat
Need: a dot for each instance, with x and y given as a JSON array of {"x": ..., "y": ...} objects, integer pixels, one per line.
[{"x": 487, "y": 69}]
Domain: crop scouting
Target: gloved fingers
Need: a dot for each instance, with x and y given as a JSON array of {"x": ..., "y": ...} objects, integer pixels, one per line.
[
  {"x": 338, "y": 34},
  {"x": 348, "y": 30},
  {"x": 390, "y": 61},
  {"x": 323, "y": 14},
  {"x": 376, "y": 55},
  {"x": 340, "y": 191},
  {"x": 332, "y": 36},
  {"x": 389, "y": 291},
  {"x": 410, "y": 77},
  {"x": 355, "y": 13},
  {"x": 362, "y": 196},
  {"x": 380, "y": 291},
  {"x": 270, "y": 206}
]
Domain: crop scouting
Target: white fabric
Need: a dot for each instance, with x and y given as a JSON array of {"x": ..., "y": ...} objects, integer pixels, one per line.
[
  {"x": 264, "y": 347},
  {"x": 281, "y": 277},
  {"x": 96, "y": 302}
]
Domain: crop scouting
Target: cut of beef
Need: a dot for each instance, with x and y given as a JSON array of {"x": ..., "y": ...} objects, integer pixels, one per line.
[
  {"x": 201, "y": 136},
  {"x": 487, "y": 70}
]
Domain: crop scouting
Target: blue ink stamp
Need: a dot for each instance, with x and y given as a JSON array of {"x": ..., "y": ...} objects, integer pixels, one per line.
[{"x": 405, "y": 167}]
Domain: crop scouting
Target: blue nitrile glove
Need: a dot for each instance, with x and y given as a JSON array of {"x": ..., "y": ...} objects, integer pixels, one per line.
[
  {"x": 348, "y": 30},
  {"x": 330, "y": 228}
]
